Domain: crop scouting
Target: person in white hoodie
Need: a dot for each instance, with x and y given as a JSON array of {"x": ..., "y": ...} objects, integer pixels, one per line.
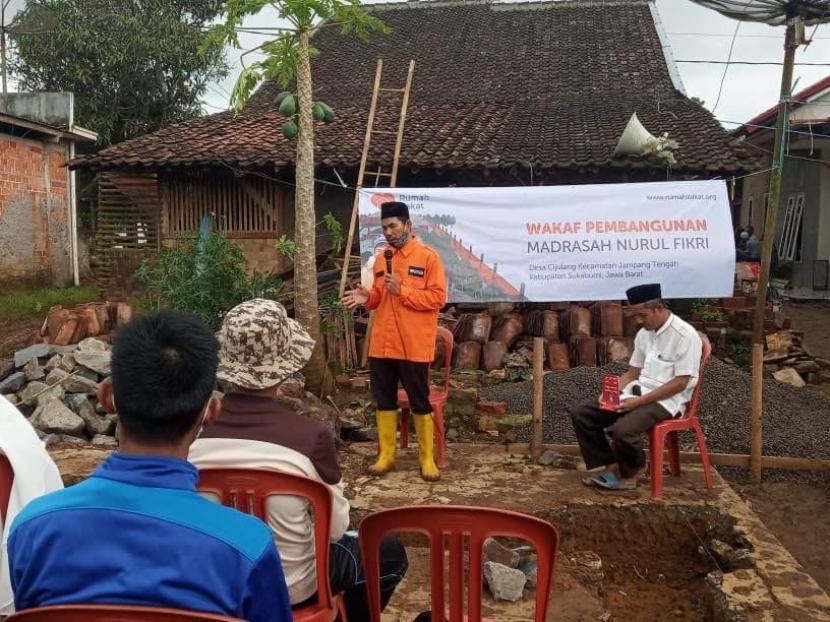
[{"x": 35, "y": 474}]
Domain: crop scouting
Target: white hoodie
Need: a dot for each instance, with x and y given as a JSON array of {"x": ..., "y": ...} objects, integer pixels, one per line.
[{"x": 35, "y": 474}]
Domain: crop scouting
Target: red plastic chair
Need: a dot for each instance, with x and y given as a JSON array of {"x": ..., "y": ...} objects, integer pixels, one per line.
[
  {"x": 438, "y": 522},
  {"x": 437, "y": 399},
  {"x": 666, "y": 432},
  {"x": 112, "y": 613},
  {"x": 6, "y": 481},
  {"x": 247, "y": 490}
]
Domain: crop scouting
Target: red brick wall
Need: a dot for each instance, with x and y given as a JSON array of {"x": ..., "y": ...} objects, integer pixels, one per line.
[{"x": 34, "y": 210}]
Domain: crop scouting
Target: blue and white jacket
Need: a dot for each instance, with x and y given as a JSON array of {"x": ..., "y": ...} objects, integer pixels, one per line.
[{"x": 138, "y": 533}]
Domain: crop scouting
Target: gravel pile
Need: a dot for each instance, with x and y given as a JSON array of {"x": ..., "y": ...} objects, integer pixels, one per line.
[{"x": 796, "y": 421}]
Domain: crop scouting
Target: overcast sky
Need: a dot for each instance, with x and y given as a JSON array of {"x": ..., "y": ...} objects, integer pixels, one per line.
[{"x": 695, "y": 33}]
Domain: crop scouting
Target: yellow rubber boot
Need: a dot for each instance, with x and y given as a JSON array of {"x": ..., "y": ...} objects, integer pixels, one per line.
[
  {"x": 425, "y": 429},
  {"x": 387, "y": 443}
]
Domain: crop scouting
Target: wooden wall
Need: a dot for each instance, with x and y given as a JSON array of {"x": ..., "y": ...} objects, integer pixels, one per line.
[{"x": 249, "y": 210}]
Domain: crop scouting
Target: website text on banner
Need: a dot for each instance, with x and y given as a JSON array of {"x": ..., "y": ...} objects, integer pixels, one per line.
[{"x": 560, "y": 243}]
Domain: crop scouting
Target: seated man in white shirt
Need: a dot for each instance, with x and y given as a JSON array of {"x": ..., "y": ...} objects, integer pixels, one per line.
[{"x": 662, "y": 374}]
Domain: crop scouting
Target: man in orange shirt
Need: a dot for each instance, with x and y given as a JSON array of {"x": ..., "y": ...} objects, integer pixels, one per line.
[{"x": 408, "y": 291}]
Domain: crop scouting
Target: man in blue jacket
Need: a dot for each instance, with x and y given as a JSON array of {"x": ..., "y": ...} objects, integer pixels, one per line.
[{"x": 137, "y": 532}]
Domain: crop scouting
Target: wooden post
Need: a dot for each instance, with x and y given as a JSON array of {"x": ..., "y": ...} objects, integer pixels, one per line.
[
  {"x": 538, "y": 395},
  {"x": 790, "y": 45},
  {"x": 757, "y": 395}
]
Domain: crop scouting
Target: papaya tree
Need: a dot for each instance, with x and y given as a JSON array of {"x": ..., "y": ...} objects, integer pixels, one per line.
[{"x": 287, "y": 61}]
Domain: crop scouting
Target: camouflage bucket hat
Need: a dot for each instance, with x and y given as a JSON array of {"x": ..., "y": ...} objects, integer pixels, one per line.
[{"x": 260, "y": 345}]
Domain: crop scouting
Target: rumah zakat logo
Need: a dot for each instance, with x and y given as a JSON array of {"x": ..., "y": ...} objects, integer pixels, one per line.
[{"x": 382, "y": 197}]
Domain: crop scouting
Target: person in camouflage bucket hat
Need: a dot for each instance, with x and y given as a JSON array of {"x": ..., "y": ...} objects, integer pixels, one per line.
[
  {"x": 258, "y": 428},
  {"x": 261, "y": 346}
]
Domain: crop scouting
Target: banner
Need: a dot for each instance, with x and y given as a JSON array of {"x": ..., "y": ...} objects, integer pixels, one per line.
[{"x": 567, "y": 243}]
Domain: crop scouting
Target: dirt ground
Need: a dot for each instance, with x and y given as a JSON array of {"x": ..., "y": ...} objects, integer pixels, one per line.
[
  {"x": 799, "y": 516},
  {"x": 17, "y": 334},
  {"x": 654, "y": 557},
  {"x": 622, "y": 557},
  {"x": 813, "y": 318}
]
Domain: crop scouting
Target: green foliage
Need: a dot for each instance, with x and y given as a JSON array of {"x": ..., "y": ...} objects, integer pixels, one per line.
[
  {"x": 207, "y": 281},
  {"x": 288, "y": 247},
  {"x": 332, "y": 315},
  {"x": 335, "y": 230},
  {"x": 519, "y": 374},
  {"x": 133, "y": 65},
  {"x": 281, "y": 53},
  {"x": 707, "y": 311},
  {"x": 701, "y": 304},
  {"x": 741, "y": 354},
  {"x": 710, "y": 315},
  {"x": 23, "y": 302}
]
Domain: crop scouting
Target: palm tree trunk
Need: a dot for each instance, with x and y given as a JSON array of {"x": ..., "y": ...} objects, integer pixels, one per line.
[{"x": 318, "y": 377}]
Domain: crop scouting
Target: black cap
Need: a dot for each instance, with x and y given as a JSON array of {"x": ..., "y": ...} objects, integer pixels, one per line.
[
  {"x": 394, "y": 209},
  {"x": 639, "y": 294}
]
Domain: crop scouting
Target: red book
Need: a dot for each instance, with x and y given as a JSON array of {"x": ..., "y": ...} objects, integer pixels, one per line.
[{"x": 610, "y": 398}]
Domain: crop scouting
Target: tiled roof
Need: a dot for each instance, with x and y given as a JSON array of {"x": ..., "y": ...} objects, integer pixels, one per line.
[{"x": 551, "y": 84}]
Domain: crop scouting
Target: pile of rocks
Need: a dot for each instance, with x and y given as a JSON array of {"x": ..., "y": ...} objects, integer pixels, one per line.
[
  {"x": 55, "y": 387},
  {"x": 788, "y": 361},
  {"x": 507, "y": 572}
]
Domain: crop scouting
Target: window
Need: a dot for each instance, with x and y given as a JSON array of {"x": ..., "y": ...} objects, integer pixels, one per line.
[
  {"x": 789, "y": 241},
  {"x": 749, "y": 211}
]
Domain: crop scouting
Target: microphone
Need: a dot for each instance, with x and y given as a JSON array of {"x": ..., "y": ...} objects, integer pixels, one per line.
[{"x": 388, "y": 256}]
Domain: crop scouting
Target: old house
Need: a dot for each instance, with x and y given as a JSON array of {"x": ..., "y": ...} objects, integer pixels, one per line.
[
  {"x": 38, "y": 224},
  {"x": 503, "y": 94},
  {"x": 802, "y": 234}
]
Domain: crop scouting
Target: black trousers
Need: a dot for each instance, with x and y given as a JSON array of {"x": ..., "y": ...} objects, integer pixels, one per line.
[
  {"x": 593, "y": 425},
  {"x": 384, "y": 376},
  {"x": 346, "y": 574}
]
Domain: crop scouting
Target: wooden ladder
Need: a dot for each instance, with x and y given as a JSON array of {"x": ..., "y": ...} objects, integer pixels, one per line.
[{"x": 391, "y": 176}]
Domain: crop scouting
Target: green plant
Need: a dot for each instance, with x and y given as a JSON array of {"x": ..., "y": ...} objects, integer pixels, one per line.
[
  {"x": 205, "y": 277},
  {"x": 288, "y": 246},
  {"x": 332, "y": 315},
  {"x": 741, "y": 353},
  {"x": 700, "y": 304},
  {"x": 710, "y": 314},
  {"x": 335, "y": 230},
  {"x": 519, "y": 374}
]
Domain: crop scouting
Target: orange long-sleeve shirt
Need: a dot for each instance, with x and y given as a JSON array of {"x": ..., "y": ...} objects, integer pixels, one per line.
[{"x": 405, "y": 326}]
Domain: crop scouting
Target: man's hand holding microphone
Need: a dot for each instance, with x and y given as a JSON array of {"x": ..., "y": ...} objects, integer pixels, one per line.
[{"x": 360, "y": 294}]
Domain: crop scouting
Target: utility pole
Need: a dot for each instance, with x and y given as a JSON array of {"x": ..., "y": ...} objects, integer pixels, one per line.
[
  {"x": 3, "y": 51},
  {"x": 791, "y": 42}
]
